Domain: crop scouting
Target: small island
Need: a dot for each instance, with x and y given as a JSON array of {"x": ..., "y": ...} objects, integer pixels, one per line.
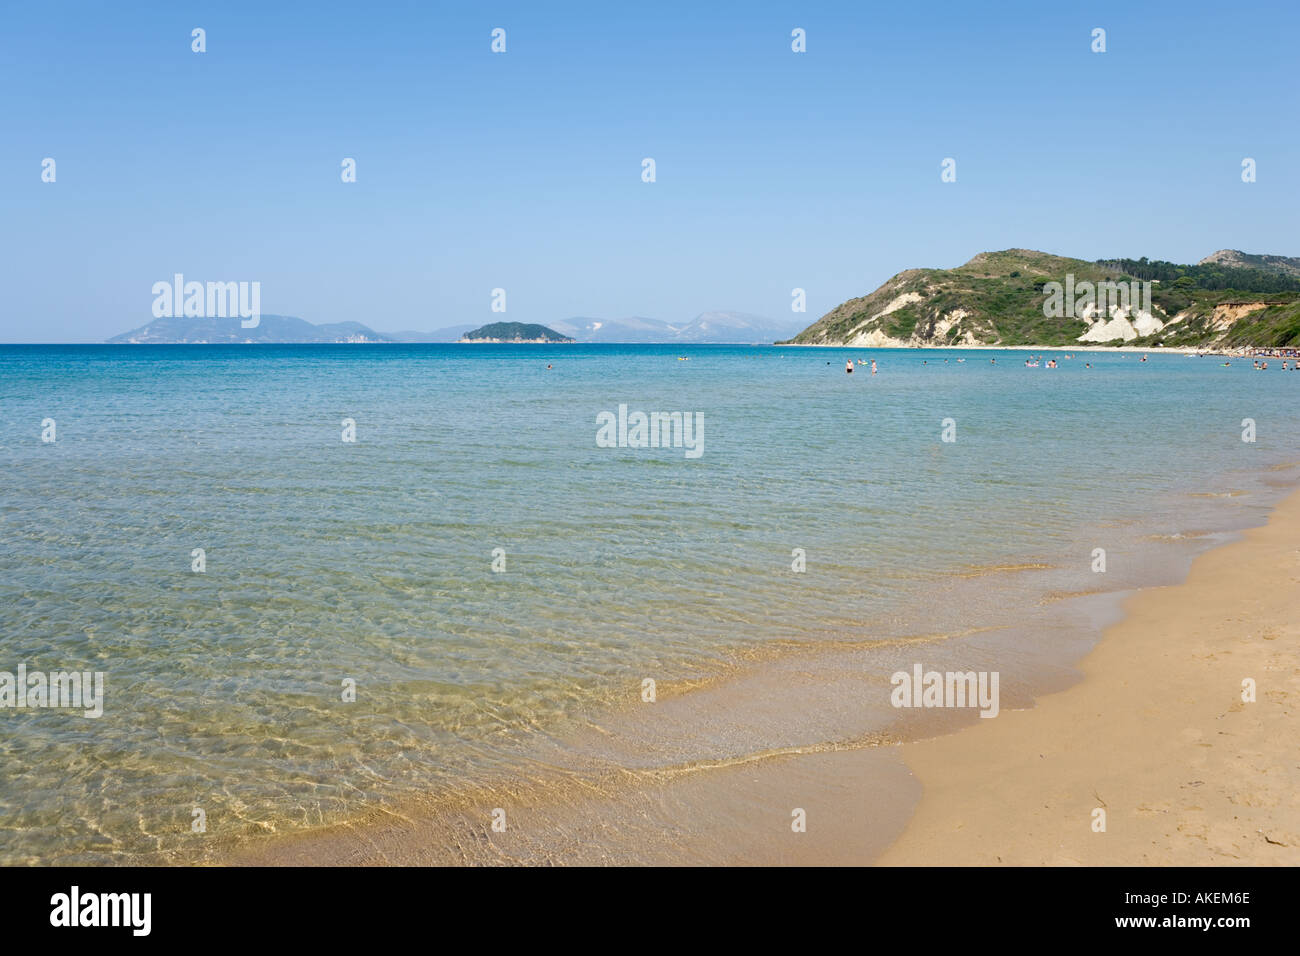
[{"x": 515, "y": 333}]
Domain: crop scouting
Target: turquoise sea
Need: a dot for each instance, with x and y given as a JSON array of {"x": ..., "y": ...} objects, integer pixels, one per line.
[{"x": 372, "y": 561}]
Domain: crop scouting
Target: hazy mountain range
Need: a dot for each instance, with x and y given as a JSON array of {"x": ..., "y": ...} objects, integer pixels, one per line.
[
  {"x": 270, "y": 329},
  {"x": 705, "y": 328}
]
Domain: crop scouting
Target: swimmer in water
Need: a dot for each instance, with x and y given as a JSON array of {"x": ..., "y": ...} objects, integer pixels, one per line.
[
  {"x": 848, "y": 367},
  {"x": 873, "y": 366}
]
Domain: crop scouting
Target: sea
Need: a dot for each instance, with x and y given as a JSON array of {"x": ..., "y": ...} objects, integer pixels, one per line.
[{"x": 332, "y": 584}]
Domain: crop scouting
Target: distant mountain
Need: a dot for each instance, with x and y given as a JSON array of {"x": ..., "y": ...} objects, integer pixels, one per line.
[
  {"x": 1285, "y": 265},
  {"x": 450, "y": 333},
  {"x": 630, "y": 330},
  {"x": 1006, "y": 298},
  {"x": 707, "y": 328},
  {"x": 271, "y": 329},
  {"x": 736, "y": 328},
  {"x": 515, "y": 332}
]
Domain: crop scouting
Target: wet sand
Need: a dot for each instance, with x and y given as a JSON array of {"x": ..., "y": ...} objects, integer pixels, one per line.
[{"x": 1157, "y": 735}]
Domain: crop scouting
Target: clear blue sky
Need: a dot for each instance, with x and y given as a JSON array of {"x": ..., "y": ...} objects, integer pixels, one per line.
[{"x": 523, "y": 170}]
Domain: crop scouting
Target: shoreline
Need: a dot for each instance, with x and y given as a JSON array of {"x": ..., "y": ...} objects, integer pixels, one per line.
[
  {"x": 1156, "y": 734},
  {"x": 1144, "y": 349},
  {"x": 924, "y": 793}
]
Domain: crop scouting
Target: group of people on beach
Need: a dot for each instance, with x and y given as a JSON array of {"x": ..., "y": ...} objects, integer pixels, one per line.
[
  {"x": 1034, "y": 361},
  {"x": 1272, "y": 353},
  {"x": 1031, "y": 362}
]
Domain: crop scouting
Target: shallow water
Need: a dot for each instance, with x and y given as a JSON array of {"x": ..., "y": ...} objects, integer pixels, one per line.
[{"x": 372, "y": 560}]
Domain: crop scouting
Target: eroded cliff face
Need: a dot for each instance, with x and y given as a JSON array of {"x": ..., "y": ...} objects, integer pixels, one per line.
[{"x": 905, "y": 311}]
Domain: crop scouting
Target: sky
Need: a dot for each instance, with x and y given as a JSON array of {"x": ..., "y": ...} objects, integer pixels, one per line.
[{"x": 522, "y": 170}]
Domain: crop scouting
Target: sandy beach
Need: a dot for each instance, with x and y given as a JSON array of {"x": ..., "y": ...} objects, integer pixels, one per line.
[
  {"x": 1157, "y": 735},
  {"x": 1036, "y": 349}
]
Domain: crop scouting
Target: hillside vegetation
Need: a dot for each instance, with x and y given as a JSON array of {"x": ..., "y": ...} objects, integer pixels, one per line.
[
  {"x": 514, "y": 332},
  {"x": 998, "y": 298}
]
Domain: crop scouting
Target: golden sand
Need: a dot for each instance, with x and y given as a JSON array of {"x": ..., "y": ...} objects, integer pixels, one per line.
[{"x": 1157, "y": 735}]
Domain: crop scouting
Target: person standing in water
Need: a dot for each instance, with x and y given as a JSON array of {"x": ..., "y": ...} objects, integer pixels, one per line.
[
  {"x": 873, "y": 366},
  {"x": 848, "y": 366}
]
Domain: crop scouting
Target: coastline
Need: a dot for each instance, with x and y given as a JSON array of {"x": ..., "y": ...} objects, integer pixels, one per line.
[
  {"x": 525, "y": 692},
  {"x": 1144, "y": 349},
  {"x": 1156, "y": 734}
]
